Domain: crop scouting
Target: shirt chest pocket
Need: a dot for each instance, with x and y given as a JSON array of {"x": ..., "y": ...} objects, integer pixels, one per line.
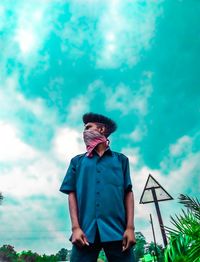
[{"x": 114, "y": 176}]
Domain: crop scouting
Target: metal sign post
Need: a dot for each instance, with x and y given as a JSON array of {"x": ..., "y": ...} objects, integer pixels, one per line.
[
  {"x": 153, "y": 193},
  {"x": 159, "y": 217}
]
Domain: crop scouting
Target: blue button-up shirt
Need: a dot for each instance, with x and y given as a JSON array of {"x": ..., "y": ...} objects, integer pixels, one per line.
[{"x": 100, "y": 184}]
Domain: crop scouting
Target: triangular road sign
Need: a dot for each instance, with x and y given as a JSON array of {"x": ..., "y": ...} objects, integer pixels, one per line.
[{"x": 147, "y": 195}]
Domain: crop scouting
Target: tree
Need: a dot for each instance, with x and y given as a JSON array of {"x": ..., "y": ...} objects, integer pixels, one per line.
[
  {"x": 139, "y": 247},
  {"x": 46, "y": 258},
  {"x": 62, "y": 254},
  {"x": 8, "y": 254},
  {"x": 28, "y": 256},
  {"x": 184, "y": 240},
  {"x": 150, "y": 248}
]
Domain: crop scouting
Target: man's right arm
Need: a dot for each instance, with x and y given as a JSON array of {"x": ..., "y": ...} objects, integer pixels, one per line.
[{"x": 78, "y": 236}]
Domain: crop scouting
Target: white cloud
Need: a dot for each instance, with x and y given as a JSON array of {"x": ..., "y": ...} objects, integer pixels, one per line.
[
  {"x": 40, "y": 176},
  {"x": 183, "y": 145},
  {"x": 117, "y": 31},
  {"x": 181, "y": 150},
  {"x": 30, "y": 188},
  {"x": 14, "y": 103},
  {"x": 123, "y": 98},
  {"x": 30, "y": 178},
  {"x": 39, "y": 228},
  {"x": 97, "y": 85},
  {"x": 27, "y": 31},
  {"x": 138, "y": 133},
  {"x": 133, "y": 154},
  {"x": 32, "y": 171},
  {"x": 182, "y": 179},
  {"x": 67, "y": 143},
  {"x": 77, "y": 107},
  {"x": 26, "y": 39},
  {"x": 31, "y": 19},
  {"x": 12, "y": 148},
  {"x": 26, "y": 171},
  {"x": 128, "y": 99},
  {"x": 125, "y": 33}
]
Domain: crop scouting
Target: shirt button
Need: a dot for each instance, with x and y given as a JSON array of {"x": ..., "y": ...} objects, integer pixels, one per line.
[
  {"x": 98, "y": 171},
  {"x": 97, "y": 205},
  {"x": 98, "y": 193},
  {"x": 98, "y": 182}
]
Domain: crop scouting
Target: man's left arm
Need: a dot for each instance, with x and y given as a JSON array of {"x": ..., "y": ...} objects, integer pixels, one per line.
[{"x": 129, "y": 235}]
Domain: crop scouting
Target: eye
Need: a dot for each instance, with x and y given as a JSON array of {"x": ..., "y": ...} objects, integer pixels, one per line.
[{"x": 87, "y": 127}]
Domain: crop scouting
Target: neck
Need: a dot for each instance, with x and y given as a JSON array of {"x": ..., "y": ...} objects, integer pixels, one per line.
[{"x": 101, "y": 148}]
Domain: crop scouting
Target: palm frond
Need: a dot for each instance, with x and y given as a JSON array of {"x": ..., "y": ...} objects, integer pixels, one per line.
[
  {"x": 184, "y": 238},
  {"x": 194, "y": 251},
  {"x": 176, "y": 249},
  {"x": 192, "y": 204}
]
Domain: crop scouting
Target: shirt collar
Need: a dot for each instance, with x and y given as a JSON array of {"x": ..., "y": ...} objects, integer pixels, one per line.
[{"x": 108, "y": 151}]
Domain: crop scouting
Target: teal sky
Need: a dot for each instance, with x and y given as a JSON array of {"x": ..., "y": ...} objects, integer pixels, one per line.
[{"x": 135, "y": 61}]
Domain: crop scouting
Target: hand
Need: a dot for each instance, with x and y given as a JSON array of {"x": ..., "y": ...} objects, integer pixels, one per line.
[
  {"x": 128, "y": 239},
  {"x": 79, "y": 238}
]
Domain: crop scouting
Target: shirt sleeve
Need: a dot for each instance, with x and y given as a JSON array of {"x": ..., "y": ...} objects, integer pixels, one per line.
[
  {"x": 127, "y": 178},
  {"x": 69, "y": 183}
]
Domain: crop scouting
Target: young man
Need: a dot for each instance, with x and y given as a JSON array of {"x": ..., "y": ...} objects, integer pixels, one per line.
[{"x": 100, "y": 197}]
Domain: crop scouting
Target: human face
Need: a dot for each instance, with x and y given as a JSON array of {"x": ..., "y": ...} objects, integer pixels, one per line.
[
  {"x": 91, "y": 126},
  {"x": 94, "y": 127}
]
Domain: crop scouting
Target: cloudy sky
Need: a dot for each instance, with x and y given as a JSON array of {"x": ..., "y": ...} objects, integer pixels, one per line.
[{"x": 135, "y": 61}]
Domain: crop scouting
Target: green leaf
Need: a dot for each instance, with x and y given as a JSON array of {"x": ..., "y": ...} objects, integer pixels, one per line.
[{"x": 184, "y": 238}]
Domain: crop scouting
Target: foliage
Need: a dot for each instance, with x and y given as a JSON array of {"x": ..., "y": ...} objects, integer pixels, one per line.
[
  {"x": 102, "y": 256},
  {"x": 148, "y": 258},
  {"x": 8, "y": 254},
  {"x": 184, "y": 240},
  {"x": 160, "y": 251},
  {"x": 45, "y": 258},
  {"x": 28, "y": 256},
  {"x": 62, "y": 254},
  {"x": 139, "y": 247}
]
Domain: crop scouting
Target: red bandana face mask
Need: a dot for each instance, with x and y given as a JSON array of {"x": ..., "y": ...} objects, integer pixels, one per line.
[{"x": 93, "y": 138}]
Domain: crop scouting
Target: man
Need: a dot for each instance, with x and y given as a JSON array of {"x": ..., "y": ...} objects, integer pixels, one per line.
[{"x": 100, "y": 197}]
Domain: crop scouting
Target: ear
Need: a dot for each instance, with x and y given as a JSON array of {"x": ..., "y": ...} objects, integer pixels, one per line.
[{"x": 102, "y": 129}]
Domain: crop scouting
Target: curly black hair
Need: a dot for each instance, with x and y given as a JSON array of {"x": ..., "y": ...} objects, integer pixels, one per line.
[{"x": 109, "y": 124}]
